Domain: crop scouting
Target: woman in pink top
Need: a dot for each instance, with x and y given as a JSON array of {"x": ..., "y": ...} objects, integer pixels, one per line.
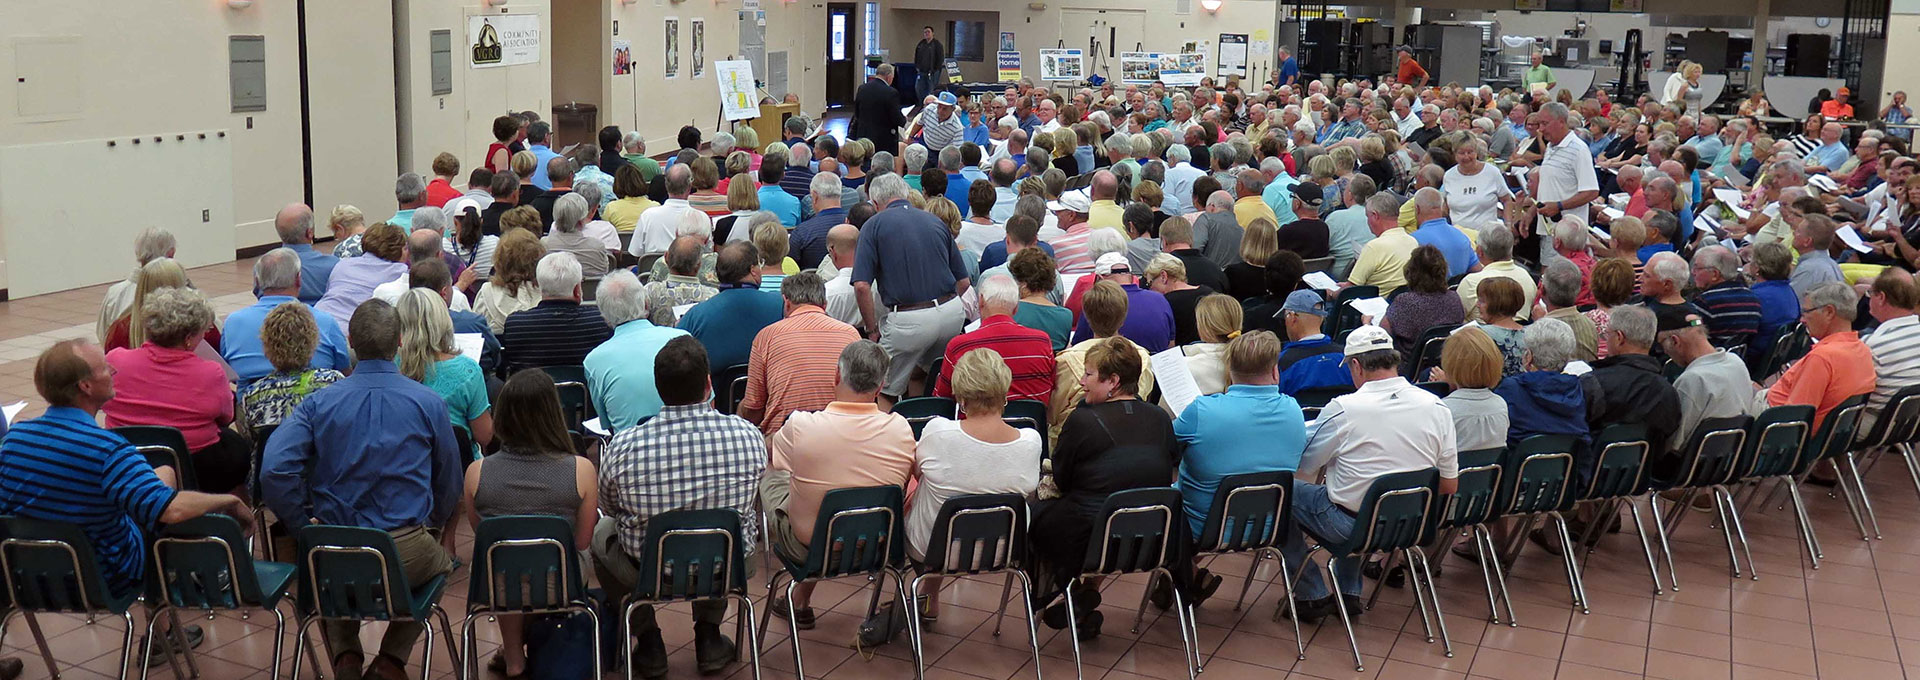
[{"x": 163, "y": 382}]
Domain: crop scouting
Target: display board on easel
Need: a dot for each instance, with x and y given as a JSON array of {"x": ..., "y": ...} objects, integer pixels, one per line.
[{"x": 737, "y": 90}]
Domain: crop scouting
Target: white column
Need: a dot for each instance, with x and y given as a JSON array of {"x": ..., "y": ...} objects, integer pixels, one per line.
[{"x": 1762, "y": 13}]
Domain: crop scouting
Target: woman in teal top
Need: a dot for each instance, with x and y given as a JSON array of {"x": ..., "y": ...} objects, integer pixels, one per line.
[
  {"x": 427, "y": 354},
  {"x": 1033, "y": 269}
]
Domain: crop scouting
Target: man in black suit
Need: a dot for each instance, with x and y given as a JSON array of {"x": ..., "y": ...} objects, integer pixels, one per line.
[{"x": 876, "y": 111}]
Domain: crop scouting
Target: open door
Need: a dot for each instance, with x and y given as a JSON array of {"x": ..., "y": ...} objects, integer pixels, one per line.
[{"x": 841, "y": 62}]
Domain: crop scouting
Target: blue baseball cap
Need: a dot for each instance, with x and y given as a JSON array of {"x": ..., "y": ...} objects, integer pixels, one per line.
[
  {"x": 947, "y": 99},
  {"x": 1306, "y": 302}
]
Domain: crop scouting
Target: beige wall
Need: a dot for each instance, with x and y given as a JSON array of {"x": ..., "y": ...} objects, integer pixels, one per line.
[
  {"x": 462, "y": 122},
  {"x": 1163, "y": 29},
  {"x": 904, "y": 35}
]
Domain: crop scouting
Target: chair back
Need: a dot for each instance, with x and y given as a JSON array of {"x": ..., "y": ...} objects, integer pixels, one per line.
[
  {"x": 1539, "y": 475},
  {"x": 1344, "y": 317},
  {"x": 1133, "y": 531},
  {"x": 1393, "y": 515},
  {"x": 644, "y": 267},
  {"x": 1835, "y": 434},
  {"x": 260, "y": 436},
  {"x": 1619, "y": 462},
  {"x": 576, "y": 403},
  {"x": 1319, "y": 264},
  {"x": 351, "y": 573},
  {"x": 692, "y": 555},
  {"x": 1313, "y": 399},
  {"x": 1028, "y": 414},
  {"x": 203, "y": 563},
  {"x": 730, "y": 389},
  {"x": 1426, "y": 352},
  {"x": 1250, "y": 511},
  {"x": 163, "y": 446},
  {"x": 1898, "y": 422},
  {"x": 1481, "y": 473},
  {"x": 50, "y": 567},
  {"x": 1712, "y": 452},
  {"x": 919, "y": 410},
  {"x": 858, "y": 531},
  {"x": 524, "y": 563},
  {"x": 1775, "y": 440},
  {"x": 978, "y": 533}
]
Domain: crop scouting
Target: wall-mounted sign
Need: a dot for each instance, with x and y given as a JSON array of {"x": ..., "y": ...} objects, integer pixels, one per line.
[
  {"x": 1009, "y": 66},
  {"x": 503, "y": 40}
]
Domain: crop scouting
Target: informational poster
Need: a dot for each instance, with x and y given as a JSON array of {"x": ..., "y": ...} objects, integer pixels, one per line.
[
  {"x": 1183, "y": 69},
  {"x": 670, "y": 62},
  {"x": 1006, "y": 41},
  {"x": 1009, "y": 66},
  {"x": 736, "y": 89},
  {"x": 699, "y": 28},
  {"x": 622, "y": 57},
  {"x": 503, "y": 39},
  {"x": 1139, "y": 68},
  {"x": 953, "y": 70},
  {"x": 1062, "y": 64},
  {"x": 1233, "y": 55}
]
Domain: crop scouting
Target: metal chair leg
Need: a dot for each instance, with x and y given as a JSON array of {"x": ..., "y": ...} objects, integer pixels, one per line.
[
  {"x": 470, "y": 649},
  {"x": 1646, "y": 548},
  {"x": 1000, "y": 613},
  {"x": 1340, "y": 605},
  {"x": 1726, "y": 529},
  {"x": 1660, "y": 530},
  {"x": 1140, "y": 614},
  {"x": 426, "y": 650},
  {"x": 453, "y": 649},
  {"x": 1866, "y": 501},
  {"x": 1913, "y": 467},
  {"x": 799, "y": 668},
  {"x": 913, "y": 630},
  {"x": 279, "y": 639},
  {"x": 1486, "y": 576},
  {"x": 146, "y": 650},
  {"x": 1287, "y": 584},
  {"x": 1183, "y": 616},
  {"x": 767, "y": 615},
  {"x": 178, "y": 634},
  {"x": 1488, "y": 554},
  {"x": 1846, "y": 492},
  {"x": 1740, "y": 532},
  {"x": 40, "y": 641},
  {"x": 1033, "y": 632},
  {"x": 1433, "y": 594},
  {"x": 1247, "y": 583},
  {"x": 1419, "y": 598},
  {"x": 747, "y": 632},
  {"x": 1574, "y": 580},
  {"x": 1806, "y": 520},
  {"x": 1073, "y": 633}
]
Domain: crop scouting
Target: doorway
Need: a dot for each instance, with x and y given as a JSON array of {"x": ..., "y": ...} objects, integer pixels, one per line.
[
  {"x": 841, "y": 56},
  {"x": 581, "y": 72}
]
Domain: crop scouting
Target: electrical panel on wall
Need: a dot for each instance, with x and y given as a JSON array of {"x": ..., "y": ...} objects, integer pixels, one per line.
[
  {"x": 247, "y": 71},
  {"x": 440, "y": 50}
]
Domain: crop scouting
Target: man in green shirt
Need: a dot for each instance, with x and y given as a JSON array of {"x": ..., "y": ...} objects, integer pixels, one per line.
[
  {"x": 1539, "y": 73},
  {"x": 634, "y": 146}
]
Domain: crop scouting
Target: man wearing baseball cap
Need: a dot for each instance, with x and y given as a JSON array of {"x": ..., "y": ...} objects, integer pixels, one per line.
[
  {"x": 940, "y": 125},
  {"x": 1714, "y": 385},
  {"x": 1310, "y": 359},
  {"x": 1149, "y": 321},
  {"x": 1838, "y": 108},
  {"x": 1070, "y": 251},
  {"x": 1386, "y": 426},
  {"x": 1307, "y": 235}
]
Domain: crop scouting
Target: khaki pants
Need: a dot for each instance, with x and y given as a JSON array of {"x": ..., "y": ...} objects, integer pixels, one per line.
[
  {"x": 421, "y": 559},
  {"x": 619, "y": 572},
  {"x": 775, "y": 487}
]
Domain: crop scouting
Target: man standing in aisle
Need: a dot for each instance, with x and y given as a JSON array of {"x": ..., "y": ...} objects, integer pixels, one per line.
[
  {"x": 928, "y": 57},
  {"x": 1565, "y": 182},
  {"x": 1539, "y": 74},
  {"x": 876, "y": 111}
]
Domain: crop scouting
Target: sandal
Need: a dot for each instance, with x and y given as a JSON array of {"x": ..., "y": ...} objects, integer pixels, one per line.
[{"x": 498, "y": 664}]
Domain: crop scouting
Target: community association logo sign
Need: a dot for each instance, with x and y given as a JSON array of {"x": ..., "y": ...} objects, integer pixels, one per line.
[
  {"x": 486, "y": 48},
  {"x": 504, "y": 39}
]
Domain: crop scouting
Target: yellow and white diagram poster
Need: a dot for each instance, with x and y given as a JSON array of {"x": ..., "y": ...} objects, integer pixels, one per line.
[{"x": 736, "y": 89}]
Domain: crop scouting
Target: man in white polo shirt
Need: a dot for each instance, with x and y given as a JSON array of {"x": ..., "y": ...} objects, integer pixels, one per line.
[
  {"x": 1384, "y": 427},
  {"x": 1563, "y": 184}
]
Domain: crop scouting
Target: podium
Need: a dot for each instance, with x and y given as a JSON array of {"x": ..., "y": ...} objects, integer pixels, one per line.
[{"x": 771, "y": 120}]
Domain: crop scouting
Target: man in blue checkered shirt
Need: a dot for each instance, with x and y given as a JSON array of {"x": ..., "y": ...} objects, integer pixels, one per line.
[{"x": 689, "y": 457}]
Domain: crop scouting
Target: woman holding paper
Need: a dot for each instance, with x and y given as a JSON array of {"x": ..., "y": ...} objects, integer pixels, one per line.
[
  {"x": 428, "y": 355},
  {"x": 1477, "y": 193}
]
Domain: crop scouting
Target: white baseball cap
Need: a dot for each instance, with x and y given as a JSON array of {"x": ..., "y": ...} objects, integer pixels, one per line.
[
  {"x": 1111, "y": 263},
  {"x": 1368, "y": 339}
]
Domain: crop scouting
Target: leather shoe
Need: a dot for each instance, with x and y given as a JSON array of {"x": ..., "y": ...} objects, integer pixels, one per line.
[
  {"x": 711, "y": 650},
  {"x": 650, "y": 656},
  {"x": 11, "y": 668}
]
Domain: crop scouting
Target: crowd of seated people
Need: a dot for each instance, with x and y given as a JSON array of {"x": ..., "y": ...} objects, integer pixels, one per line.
[{"x": 743, "y": 347}]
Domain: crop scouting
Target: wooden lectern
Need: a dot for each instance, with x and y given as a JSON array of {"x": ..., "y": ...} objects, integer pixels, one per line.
[{"x": 772, "y": 117}]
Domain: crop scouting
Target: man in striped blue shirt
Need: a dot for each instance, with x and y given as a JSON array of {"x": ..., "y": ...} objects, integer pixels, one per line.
[
  {"x": 559, "y": 331},
  {"x": 1730, "y": 308},
  {"x": 64, "y": 467}
]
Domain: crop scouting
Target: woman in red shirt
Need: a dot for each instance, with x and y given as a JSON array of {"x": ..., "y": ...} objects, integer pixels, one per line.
[{"x": 162, "y": 382}]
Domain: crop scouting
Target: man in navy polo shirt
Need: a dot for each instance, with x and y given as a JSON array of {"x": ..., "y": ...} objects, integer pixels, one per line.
[{"x": 910, "y": 254}]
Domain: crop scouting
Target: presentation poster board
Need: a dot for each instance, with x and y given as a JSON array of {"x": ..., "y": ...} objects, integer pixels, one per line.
[
  {"x": 503, "y": 40},
  {"x": 1233, "y": 55},
  {"x": 670, "y": 62},
  {"x": 736, "y": 89},
  {"x": 699, "y": 27},
  {"x": 1009, "y": 66},
  {"x": 1183, "y": 69},
  {"x": 1062, "y": 64},
  {"x": 1139, "y": 68}
]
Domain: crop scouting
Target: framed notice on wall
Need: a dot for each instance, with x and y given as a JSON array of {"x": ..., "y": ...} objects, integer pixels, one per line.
[
  {"x": 670, "y": 63},
  {"x": 503, "y": 40},
  {"x": 1233, "y": 55}
]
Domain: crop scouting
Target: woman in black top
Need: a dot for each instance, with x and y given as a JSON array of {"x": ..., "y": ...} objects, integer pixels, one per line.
[
  {"x": 1248, "y": 277},
  {"x": 1111, "y": 442}
]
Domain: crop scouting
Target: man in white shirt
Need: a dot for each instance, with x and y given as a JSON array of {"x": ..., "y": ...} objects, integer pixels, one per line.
[
  {"x": 1049, "y": 116},
  {"x": 1564, "y": 183},
  {"x": 1179, "y": 186},
  {"x": 1895, "y": 344},
  {"x": 1385, "y": 427},
  {"x": 659, "y": 225},
  {"x": 842, "y": 240}
]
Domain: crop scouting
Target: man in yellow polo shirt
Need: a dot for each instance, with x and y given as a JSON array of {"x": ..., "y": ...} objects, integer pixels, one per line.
[
  {"x": 1383, "y": 260},
  {"x": 1105, "y": 212},
  {"x": 1247, "y": 205}
]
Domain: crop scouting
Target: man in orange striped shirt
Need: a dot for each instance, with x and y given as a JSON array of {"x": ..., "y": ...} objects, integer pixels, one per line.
[
  {"x": 794, "y": 360},
  {"x": 1028, "y": 352}
]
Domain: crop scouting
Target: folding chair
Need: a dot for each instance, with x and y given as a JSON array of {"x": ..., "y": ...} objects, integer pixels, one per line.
[
  {"x": 1028, "y": 414},
  {"x": 692, "y": 556},
  {"x": 1539, "y": 480},
  {"x": 857, "y": 533},
  {"x": 1394, "y": 517},
  {"x": 203, "y": 564},
  {"x": 50, "y": 568},
  {"x": 1710, "y": 458},
  {"x": 1618, "y": 478},
  {"x": 978, "y": 535},
  {"x": 523, "y": 565},
  {"x": 919, "y": 410},
  {"x": 1135, "y": 534},
  {"x": 354, "y": 574},
  {"x": 163, "y": 446},
  {"x": 1470, "y": 508},
  {"x": 1252, "y": 513}
]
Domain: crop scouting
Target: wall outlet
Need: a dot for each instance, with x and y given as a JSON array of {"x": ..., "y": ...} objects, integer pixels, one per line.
[{"x": 206, "y": 216}]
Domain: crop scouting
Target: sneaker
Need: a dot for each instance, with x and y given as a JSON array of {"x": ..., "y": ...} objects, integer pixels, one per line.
[
  {"x": 1312, "y": 611},
  {"x": 1090, "y": 625},
  {"x": 711, "y": 650},
  {"x": 801, "y": 620},
  {"x": 650, "y": 656},
  {"x": 164, "y": 649}
]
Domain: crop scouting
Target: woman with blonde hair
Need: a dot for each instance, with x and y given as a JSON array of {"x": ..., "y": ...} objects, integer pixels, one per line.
[
  {"x": 1218, "y": 319},
  {"x": 743, "y": 198},
  {"x": 852, "y": 159},
  {"x": 346, "y": 223},
  {"x": 705, "y": 197},
  {"x": 129, "y": 330},
  {"x": 1471, "y": 365},
  {"x": 512, "y": 287},
  {"x": 770, "y": 238},
  {"x": 1682, "y": 89},
  {"x": 748, "y": 141},
  {"x": 943, "y": 208},
  {"x": 429, "y": 357},
  {"x": 738, "y": 163},
  {"x": 981, "y": 454},
  {"x": 524, "y": 165},
  {"x": 1373, "y": 161}
]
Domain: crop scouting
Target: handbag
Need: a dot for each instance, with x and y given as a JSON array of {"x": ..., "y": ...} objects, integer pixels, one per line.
[
  {"x": 560, "y": 646},
  {"x": 881, "y": 628}
]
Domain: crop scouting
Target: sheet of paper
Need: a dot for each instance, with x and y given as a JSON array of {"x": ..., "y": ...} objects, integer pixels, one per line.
[
  {"x": 1852, "y": 239},
  {"x": 1176, "y": 383},
  {"x": 1873, "y": 221},
  {"x": 1824, "y": 183},
  {"x": 1728, "y": 196},
  {"x": 206, "y": 351},
  {"x": 593, "y": 425},
  {"x": 1772, "y": 211},
  {"x": 1597, "y": 233},
  {"x": 1577, "y": 367},
  {"x": 470, "y": 344},
  {"x": 973, "y": 326},
  {"x": 1613, "y": 213},
  {"x": 681, "y": 310},
  {"x": 13, "y": 410},
  {"x": 1320, "y": 281},
  {"x": 1619, "y": 200},
  {"x": 1373, "y": 307}
]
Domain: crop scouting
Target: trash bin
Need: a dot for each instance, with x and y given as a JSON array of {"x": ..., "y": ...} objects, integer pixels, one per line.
[{"x": 575, "y": 123}]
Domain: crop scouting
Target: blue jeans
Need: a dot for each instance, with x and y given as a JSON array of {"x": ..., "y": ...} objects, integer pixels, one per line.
[
  {"x": 1315, "y": 513},
  {"x": 925, "y": 84}
]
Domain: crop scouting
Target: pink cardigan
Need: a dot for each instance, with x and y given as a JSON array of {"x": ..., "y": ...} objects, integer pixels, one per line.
[{"x": 171, "y": 387}]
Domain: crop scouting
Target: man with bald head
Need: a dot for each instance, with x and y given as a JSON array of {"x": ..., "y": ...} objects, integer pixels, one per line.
[
  {"x": 277, "y": 277},
  {"x": 423, "y": 245},
  {"x": 683, "y": 284},
  {"x": 294, "y": 224},
  {"x": 842, "y": 241},
  {"x": 1106, "y": 212}
]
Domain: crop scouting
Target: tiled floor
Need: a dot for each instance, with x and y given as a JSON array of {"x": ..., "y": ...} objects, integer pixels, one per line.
[{"x": 1858, "y": 616}]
